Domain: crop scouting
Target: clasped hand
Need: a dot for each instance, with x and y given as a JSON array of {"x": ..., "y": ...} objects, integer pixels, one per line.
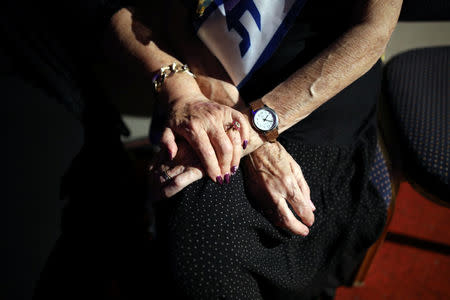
[
  {"x": 275, "y": 181},
  {"x": 208, "y": 128},
  {"x": 273, "y": 177}
]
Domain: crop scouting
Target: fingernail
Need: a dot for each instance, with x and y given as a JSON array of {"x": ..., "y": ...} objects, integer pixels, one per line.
[
  {"x": 219, "y": 180},
  {"x": 234, "y": 170},
  {"x": 227, "y": 178},
  {"x": 245, "y": 144},
  {"x": 312, "y": 205}
]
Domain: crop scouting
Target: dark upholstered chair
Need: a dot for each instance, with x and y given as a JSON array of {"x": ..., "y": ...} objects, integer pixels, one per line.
[
  {"x": 414, "y": 121},
  {"x": 386, "y": 185},
  {"x": 417, "y": 97}
]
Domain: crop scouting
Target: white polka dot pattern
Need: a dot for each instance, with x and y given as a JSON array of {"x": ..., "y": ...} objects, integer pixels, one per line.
[
  {"x": 222, "y": 247},
  {"x": 418, "y": 88}
]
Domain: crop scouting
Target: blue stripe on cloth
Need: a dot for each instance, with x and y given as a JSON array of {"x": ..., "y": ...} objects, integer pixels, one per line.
[{"x": 276, "y": 39}]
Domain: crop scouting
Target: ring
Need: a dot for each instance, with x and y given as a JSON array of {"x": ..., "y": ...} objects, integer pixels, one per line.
[
  {"x": 235, "y": 125},
  {"x": 165, "y": 175}
]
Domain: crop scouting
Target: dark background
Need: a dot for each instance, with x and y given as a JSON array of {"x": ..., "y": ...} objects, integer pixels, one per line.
[{"x": 42, "y": 137}]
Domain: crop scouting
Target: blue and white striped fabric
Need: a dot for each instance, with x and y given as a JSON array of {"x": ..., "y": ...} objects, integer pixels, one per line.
[{"x": 243, "y": 34}]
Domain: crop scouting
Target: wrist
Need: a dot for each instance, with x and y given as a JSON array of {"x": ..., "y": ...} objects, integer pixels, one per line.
[
  {"x": 255, "y": 139},
  {"x": 173, "y": 82},
  {"x": 267, "y": 153},
  {"x": 264, "y": 120}
]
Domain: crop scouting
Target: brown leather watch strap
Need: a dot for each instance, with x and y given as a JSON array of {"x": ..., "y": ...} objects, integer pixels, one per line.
[
  {"x": 257, "y": 104},
  {"x": 272, "y": 135}
]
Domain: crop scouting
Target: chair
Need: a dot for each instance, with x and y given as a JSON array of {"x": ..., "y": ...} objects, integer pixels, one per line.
[
  {"x": 414, "y": 111},
  {"x": 417, "y": 88},
  {"x": 386, "y": 184}
]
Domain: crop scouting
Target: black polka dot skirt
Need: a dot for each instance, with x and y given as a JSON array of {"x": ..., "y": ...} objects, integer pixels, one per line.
[{"x": 218, "y": 245}]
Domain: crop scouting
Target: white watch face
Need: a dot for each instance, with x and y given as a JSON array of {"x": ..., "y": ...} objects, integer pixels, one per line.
[{"x": 264, "y": 119}]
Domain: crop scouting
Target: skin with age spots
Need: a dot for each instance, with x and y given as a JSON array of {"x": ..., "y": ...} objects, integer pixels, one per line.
[
  {"x": 315, "y": 86},
  {"x": 330, "y": 71},
  {"x": 344, "y": 61}
]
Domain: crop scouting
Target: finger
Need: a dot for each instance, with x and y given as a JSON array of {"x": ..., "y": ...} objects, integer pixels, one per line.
[
  {"x": 201, "y": 143},
  {"x": 224, "y": 150},
  {"x": 168, "y": 142},
  {"x": 301, "y": 205},
  {"x": 235, "y": 138},
  {"x": 181, "y": 181},
  {"x": 304, "y": 187},
  {"x": 244, "y": 130},
  {"x": 165, "y": 175},
  {"x": 289, "y": 221},
  {"x": 154, "y": 168}
]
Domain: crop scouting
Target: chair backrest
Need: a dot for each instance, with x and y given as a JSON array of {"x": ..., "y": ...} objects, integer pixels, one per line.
[{"x": 425, "y": 10}]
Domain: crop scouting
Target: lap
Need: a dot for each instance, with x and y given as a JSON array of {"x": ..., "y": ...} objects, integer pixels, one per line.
[
  {"x": 220, "y": 243},
  {"x": 213, "y": 238}
]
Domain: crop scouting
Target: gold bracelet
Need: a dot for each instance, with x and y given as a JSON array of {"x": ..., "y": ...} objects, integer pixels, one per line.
[{"x": 167, "y": 71}]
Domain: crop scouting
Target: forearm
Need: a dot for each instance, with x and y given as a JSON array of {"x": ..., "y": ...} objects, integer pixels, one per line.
[
  {"x": 347, "y": 59},
  {"x": 323, "y": 77},
  {"x": 142, "y": 50}
]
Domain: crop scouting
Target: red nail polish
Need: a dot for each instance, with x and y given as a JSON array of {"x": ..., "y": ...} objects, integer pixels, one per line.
[
  {"x": 219, "y": 180},
  {"x": 245, "y": 144}
]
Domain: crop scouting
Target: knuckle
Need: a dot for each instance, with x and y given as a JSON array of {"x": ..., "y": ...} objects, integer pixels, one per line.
[
  {"x": 288, "y": 222},
  {"x": 217, "y": 114},
  {"x": 212, "y": 117},
  {"x": 292, "y": 195},
  {"x": 178, "y": 181},
  {"x": 289, "y": 183},
  {"x": 307, "y": 190},
  {"x": 190, "y": 128},
  {"x": 238, "y": 114},
  {"x": 296, "y": 201},
  {"x": 307, "y": 218},
  {"x": 236, "y": 140},
  {"x": 166, "y": 193},
  {"x": 209, "y": 153},
  {"x": 311, "y": 220},
  {"x": 226, "y": 147}
]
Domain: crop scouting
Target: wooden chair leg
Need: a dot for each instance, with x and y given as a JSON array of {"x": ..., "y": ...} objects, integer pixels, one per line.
[{"x": 367, "y": 262}]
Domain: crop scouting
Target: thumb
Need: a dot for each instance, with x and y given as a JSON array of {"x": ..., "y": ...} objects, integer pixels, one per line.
[{"x": 168, "y": 143}]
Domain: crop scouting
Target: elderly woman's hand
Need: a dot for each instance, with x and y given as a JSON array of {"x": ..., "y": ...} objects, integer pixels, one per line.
[
  {"x": 180, "y": 165},
  {"x": 227, "y": 145},
  {"x": 275, "y": 180},
  {"x": 209, "y": 129},
  {"x": 170, "y": 176},
  {"x": 272, "y": 177}
]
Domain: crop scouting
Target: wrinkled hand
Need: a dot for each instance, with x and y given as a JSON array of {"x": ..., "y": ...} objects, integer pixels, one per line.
[
  {"x": 206, "y": 126},
  {"x": 183, "y": 170},
  {"x": 275, "y": 180},
  {"x": 220, "y": 91}
]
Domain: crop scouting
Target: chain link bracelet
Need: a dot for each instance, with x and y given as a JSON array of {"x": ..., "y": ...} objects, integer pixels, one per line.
[{"x": 168, "y": 71}]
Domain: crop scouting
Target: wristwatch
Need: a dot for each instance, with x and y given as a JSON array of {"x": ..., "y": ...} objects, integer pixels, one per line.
[{"x": 264, "y": 120}]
